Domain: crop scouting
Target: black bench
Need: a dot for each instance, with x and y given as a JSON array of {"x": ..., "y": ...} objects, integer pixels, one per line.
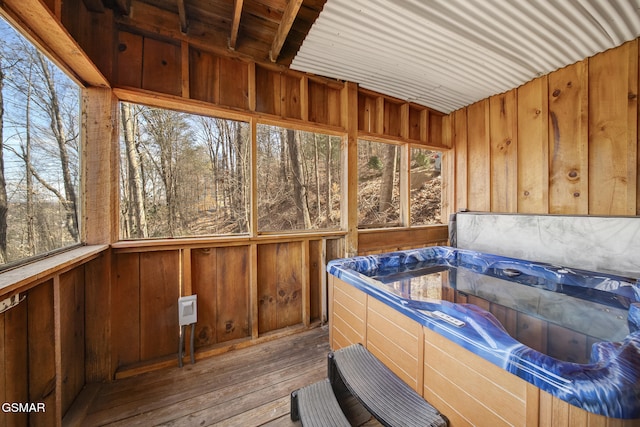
[
  {"x": 389, "y": 399},
  {"x": 382, "y": 392}
]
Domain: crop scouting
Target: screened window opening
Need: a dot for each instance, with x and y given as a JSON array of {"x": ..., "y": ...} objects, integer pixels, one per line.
[
  {"x": 298, "y": 179},
  {"x": 378, "y": 184},
  {"x": 182, "y": 174},
  {"x": 426, "y": 184},
  {"x": 39, "y": 152}
]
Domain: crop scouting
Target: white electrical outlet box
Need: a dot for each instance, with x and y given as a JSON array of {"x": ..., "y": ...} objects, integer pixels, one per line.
[{"x": 188, "y": 310}]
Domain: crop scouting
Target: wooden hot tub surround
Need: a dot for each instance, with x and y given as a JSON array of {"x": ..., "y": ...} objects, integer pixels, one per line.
[{"x": 460, "y": 382}]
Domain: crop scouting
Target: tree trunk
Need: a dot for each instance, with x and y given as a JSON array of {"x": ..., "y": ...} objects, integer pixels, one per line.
[
  {"x": 299, "y": 189},
  {"x": 328, "y": 173},
  {"x": 139, "y": 218},
  {"x": 70, "y": 202},
  {"x": 316, "y": 165},
  {"x": 4, "y": 205},
  {"x": 388, "y": 176},
  {"x": 31, "y": 220}
]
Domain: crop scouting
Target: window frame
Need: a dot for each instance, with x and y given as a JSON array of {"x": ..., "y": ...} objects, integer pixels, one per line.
[
  {"x": 404, "y": 218},
  {"x": 189, "y": 106}
]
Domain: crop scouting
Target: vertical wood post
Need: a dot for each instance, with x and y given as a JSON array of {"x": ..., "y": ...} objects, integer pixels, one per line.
[
  {"x": 99, "y": 167},
  {"x": 350, "y": 168},
  {"x": 99, "y": 223}
]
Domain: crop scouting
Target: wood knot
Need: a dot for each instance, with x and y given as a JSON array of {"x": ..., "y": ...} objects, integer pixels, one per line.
[
  {"x": 556, "y": 93},
  {"x": 122, "y": 47},
  {"x": 229, "y": 326},
  {"x": 632, "y": 96},
  {"x": 573, "y": 174},
  {"x": 576, "y": 194},
  {"x": 526, "y": 193}
]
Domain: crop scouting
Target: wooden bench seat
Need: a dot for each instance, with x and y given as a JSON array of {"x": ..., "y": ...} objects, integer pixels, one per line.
[{"x": 389, "y": 399}]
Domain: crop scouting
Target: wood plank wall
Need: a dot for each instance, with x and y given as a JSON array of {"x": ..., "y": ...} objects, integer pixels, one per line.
[
  {"x": 247, "y": 292},
  {"x": 45, "y": 354},
  {"x": 564, "y": 143}
]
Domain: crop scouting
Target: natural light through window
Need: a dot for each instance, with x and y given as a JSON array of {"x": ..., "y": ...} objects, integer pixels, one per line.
[{"x": 39, "y": 155}]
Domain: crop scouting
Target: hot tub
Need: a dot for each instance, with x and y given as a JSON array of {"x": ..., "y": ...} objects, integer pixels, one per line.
[{"x": 572, "y": 333}]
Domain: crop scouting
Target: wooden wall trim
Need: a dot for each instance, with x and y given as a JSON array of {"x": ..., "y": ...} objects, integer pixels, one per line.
[
  {"x": 30, "y": 275},
  {"x": 385, "y": 240}
]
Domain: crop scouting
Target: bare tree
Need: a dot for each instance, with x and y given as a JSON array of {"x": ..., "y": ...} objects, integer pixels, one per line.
[
  {"x": 138, "y": 217},
  {"x": 388, "y": 177},
  {"x": 299, "y": 186},
  {"x": 4, "y": 206},
  {"x": 167, "y": 131},
  {"x": 52, "y": 106}
]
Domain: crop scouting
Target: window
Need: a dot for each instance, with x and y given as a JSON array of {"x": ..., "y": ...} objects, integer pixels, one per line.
[
  {"x": 182, "y": 174},
  {"x": 39, "y": 155},
  {"x": 298, "y": 178},
  {"x": 378, "y": 184},
  {"x": 380, "y": 187},
  {"x": 426, "y": 183}
]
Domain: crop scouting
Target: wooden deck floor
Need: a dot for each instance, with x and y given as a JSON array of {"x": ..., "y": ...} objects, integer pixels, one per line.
[{"x": 247, "y": 387}]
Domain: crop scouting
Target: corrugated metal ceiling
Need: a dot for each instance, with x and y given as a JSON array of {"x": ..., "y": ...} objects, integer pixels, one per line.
[{"x": 446, "y": 54}]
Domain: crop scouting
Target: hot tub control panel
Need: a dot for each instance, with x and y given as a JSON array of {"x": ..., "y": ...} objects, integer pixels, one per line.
[{"x": 449, "y": 319}]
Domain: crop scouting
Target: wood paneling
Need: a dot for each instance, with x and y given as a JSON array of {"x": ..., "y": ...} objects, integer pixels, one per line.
[
  {"x": 98, "y": 304},
  {"x": 613, "y": 136},
  {"x": 392, "y": 122},
  {"x": 396, "y": 340},
  {"x": 41, "y": 349},
  {"x": 503, "y": 132},
  {"x": 204, "y": 265},
  {"x": 467, "y": 388},
  {"x": 577, "y": 142},
  {"x": 533, "y": 147},
  {"x": 129, "y": 60},
  {"x": 317, "y": 278},
  {"x": 72, "y": 334},
  {"x": 378, "y": 241},
  {"x": 268, "y": 87},
  {"x": 234, "y": 91},
  {"x": 14, "y": 362},
  {"x": 232, "y": 298},
  {"x": 478, "y": 157},
  {"x": 384, "y": 117},
  {"x": 161, "y": 67},
  {"x": 204, "y": 83},
  {"x": 159, "y": 291},
  {"x": 348, "y": 314},
  {"x": 125, "y": 318},
  {"x": 460, "y": 144},
  {"x": 568, "y": 140},
  {"x": 279, "y": 285}
]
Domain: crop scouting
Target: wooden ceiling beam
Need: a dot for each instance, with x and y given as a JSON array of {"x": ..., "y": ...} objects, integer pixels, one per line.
[
  {"x": 235, "y": 23},
  {"x": 289, "y": 15},
  {"x": 182, "y": 14}
]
